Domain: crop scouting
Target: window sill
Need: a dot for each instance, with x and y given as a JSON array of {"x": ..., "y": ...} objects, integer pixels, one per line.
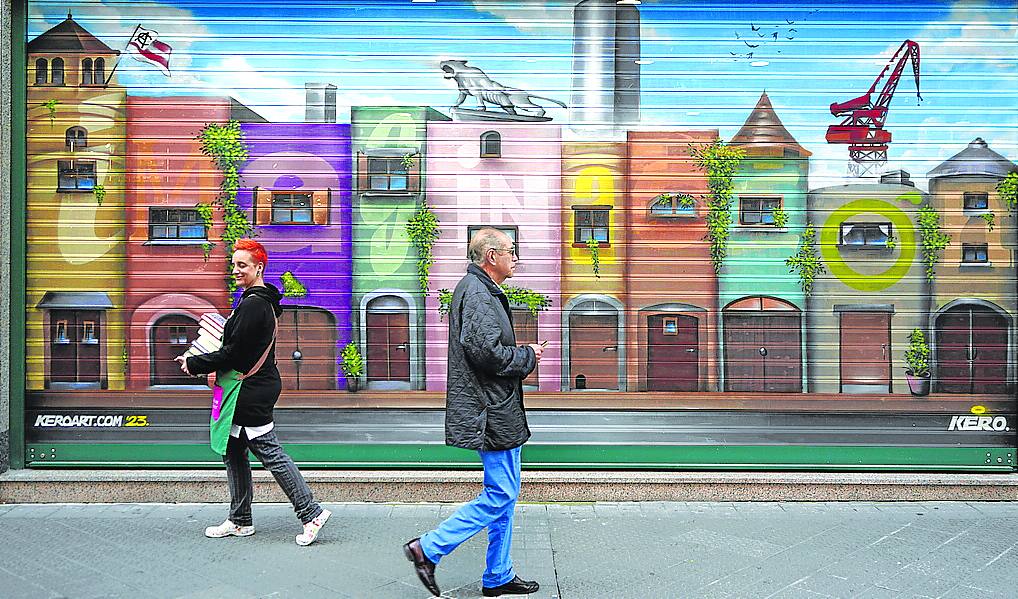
[
  {"x": 677, "y": 216},
  {"x": 864, "y": 248},
  {"x": 194, "y": 242},
  {"x": 976, "y": 212},
  {"x": 975, "y": 264},
  {"x": 760, "y": 228},
  {"x": 600, "y": 244},
  {"x": 70, "y": 190},
  {"x": 374, "y": 193}
]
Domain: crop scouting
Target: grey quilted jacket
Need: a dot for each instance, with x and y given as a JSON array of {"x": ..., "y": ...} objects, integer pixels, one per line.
[{"x": 484, "y": 397}]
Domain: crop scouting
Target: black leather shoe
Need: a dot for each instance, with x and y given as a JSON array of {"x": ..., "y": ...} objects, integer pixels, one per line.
[
  {"x": 424, "y": 567},
  {"x": 516, "y": 586}
]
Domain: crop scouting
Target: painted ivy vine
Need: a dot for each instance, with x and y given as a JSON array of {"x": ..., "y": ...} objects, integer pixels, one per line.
[
  {"x": 933, "y": 239},
  {"x": 720, "y": 161},
  {"x": 99, "y": 191},
  {"x": 1008, "y": 190},
  {"x": 595, "y": 256},
  {"x": 780, "y": 218},
  {"x": 292, "y": 287},
  {"x": 224, "y": 144},
  {"x": 806, "y": 260},
  {"x": 51, "y": 106},
  {"x": 991, "y": 220},
  {"x": 422, "y": 228},
  {"x": 517, "y": 296}
]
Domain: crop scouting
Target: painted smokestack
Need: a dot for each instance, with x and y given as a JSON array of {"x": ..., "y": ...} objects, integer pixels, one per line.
[
  {"x": 319, "y": 103},
  {"x": 606, "y": 76}
]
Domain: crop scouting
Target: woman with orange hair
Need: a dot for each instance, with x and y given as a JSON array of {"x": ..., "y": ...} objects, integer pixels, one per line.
[{"x": 249, "y": 347}]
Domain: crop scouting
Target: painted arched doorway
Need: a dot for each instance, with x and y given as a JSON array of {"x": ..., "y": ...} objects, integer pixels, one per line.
[
  {"x": 971, "y": 345},
  {"x": 171, "y": 336},
  {"x": 763, "y": 346},
  {"x": 387, "y": 350},
  {"x": 593, "y": 346}
]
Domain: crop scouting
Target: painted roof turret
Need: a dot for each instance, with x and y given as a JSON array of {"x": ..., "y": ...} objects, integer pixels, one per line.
[
  {"x": 764, "y": 128},
  {"x": 975, "y": 160},
  {"x": 68, "y": 38}
]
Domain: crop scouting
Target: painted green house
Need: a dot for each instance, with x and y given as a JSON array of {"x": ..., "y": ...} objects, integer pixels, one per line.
[
  {"x": 762, "y": 304},
  {"x": 389, "y": 145}
]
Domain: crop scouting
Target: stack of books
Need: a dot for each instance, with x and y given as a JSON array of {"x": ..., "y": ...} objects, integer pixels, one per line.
[{"x": 210, "y": 334}]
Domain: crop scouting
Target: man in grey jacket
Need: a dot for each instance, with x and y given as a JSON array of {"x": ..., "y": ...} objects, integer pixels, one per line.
[{"x": 484, "y": 412}]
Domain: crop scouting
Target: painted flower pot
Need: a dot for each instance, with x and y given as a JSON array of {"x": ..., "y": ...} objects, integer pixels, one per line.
[
  {"x": 918, "y": 385},
  {"x": 353, "y": 384}
]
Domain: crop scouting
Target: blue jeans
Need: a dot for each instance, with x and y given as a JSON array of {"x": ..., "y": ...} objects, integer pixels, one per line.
[{"x": 492, "y": 509}]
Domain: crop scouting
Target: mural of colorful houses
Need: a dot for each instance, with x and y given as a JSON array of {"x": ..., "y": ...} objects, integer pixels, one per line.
[{"x": 616, "y": 232}]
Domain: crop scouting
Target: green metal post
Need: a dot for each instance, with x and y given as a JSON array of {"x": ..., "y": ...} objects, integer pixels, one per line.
[{"x": 19, "y": 110}]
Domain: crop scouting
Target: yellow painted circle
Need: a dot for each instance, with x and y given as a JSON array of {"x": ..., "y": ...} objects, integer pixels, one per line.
[
  {"x": 904, "y": 233},
  {"x": 978, "y": 409}
]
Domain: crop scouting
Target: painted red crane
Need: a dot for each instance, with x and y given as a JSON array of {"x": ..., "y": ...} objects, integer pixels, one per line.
[{"x": 863, "y": 125}]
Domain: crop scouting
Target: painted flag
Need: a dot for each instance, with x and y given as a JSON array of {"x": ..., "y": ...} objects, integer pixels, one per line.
[{"x": 146, "y": 47}]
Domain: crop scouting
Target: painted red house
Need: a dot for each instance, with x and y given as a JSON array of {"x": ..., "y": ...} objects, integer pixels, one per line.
[{"x": 172, "y": 276}]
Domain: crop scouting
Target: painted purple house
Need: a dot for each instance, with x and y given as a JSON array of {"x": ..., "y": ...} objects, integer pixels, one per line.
[
  {"x": 506, "y": 176},
  {"x": 296, "y": 188}
]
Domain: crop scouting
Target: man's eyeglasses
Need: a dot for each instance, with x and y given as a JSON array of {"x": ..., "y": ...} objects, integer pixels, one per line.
[{"x": 511, "y": 250}]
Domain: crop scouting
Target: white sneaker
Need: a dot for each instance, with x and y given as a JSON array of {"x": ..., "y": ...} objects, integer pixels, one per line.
[
  {"x": 311, "y": 529},
  {"x": 228, "y": 529}
]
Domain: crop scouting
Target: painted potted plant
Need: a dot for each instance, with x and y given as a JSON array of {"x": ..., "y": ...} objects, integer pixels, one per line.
[
  {"x": 353, "y": 366},
  {"x": 917, "y": 364}
]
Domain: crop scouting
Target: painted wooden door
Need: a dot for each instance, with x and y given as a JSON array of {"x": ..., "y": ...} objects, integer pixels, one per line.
[
  {"x": 865, "y": 352},
  {"x": 388, "y": 346},
  {"x": 306, "y": 349},
  {"x": 593, "y": 351},
  {"x": 171, "y": 336},
  {"x": 75, "y": 342},
  {"x": 673, "y": 353},
  {"x": 763, "y": 353},
  {"x": 971, "y": 351}
]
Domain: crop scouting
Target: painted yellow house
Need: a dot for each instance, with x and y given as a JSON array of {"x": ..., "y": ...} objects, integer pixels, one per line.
[{"x": 76, "y": 243}]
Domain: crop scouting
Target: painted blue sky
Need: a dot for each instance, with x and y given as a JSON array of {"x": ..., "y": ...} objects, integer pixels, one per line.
[{"x": 696, "y": 72}]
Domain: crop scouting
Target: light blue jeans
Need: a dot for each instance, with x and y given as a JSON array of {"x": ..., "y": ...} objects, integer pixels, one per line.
[{"x": 492, "y": 509}]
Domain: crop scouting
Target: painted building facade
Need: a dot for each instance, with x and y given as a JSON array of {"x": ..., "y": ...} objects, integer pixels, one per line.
[
  {"x": 167, "y": 177},
  {"x": 763, "y": 329},
  {"x": 389, "y": 145},
  {"x": 296, "y": 187},
  {"x": 506, "y": 176},
  {"x": 873, "y": 292},
  {"x": 75, "y": 205},
  {"x": 670, "y": 282},
  {"x": 594, "y": 178},
  {"x": 974, "y": 307}
]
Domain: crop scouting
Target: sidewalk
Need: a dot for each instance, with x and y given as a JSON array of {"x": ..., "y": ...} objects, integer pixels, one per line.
[{"x": 576, "y": 551}]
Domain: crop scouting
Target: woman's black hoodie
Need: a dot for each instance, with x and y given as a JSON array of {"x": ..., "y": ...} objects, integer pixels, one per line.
[{"x": 247, "y": 333}]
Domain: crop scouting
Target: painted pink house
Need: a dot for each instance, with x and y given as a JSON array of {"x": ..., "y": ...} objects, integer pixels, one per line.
[{"x": 508, "y": 176}]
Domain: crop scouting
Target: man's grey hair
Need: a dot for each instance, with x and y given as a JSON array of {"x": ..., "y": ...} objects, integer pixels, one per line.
[{"x": 483, "y": 240}]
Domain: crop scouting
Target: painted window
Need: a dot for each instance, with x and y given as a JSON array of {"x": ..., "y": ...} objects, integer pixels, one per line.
[
  {"x": 590, "y": 223},
  {"x": 86, "y": 71},
  {"x": 88, "y": 332},
  {"x": 177, "y": 335},
  {"x": 512, "y": 232},
  {"x": 99, "y": 72},
  {"x": 974, "y": 253},
  {"x": 41, "y": 71},
  {"x": 57, "y": 77},
  {"x": 175, "y": 224},
  {"x": 387, "y": 174},
  {"x": 76, "y": 175},
  {"x": 75, "y": 138},
  {"x": 865, "y": 234},
  {"x": 669, "y": 205},
  {"x": 60, "y": 336},
  {"x": 491, "y": 144},
  {"x": 292, "y": 208},
  {"x": 975, "y": 200},
  {"x": 757, "y": 210}
]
